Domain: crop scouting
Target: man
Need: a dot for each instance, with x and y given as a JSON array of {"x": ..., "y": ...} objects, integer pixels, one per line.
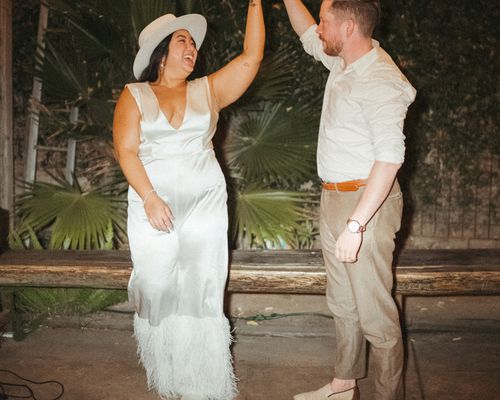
[{"x": 360, "y": 149}]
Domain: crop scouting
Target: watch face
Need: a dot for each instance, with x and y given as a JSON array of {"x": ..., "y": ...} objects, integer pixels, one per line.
[{"x": 353, "y": 226}]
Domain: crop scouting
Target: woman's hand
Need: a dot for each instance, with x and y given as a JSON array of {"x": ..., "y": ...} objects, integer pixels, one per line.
[{"x": 159, "y": 214}]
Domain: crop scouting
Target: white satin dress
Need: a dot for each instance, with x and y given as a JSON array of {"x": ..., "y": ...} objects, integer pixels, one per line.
[{"x": 178, "y": 279}]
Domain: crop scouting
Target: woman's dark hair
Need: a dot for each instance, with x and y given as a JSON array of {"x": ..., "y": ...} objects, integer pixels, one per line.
[{"x": 150, "y": 73}]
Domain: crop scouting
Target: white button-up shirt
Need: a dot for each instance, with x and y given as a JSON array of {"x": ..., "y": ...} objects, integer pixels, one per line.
[{"x": 364, "y": 108}]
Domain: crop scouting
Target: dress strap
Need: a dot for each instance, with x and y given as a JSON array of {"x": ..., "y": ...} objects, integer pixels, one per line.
[
  {"x": 200, "y": 90},
  {"x": 145, "y": 99}
]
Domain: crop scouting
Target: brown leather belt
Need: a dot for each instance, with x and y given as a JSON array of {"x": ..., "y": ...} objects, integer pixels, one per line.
[{"x": 347, "y": 186}]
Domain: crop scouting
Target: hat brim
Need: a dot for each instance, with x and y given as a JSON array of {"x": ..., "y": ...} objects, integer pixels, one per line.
[{"x": 195, "y": 24}]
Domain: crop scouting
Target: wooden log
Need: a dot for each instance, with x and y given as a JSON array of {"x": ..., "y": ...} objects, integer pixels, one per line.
[{"x": 418, "y": 272}]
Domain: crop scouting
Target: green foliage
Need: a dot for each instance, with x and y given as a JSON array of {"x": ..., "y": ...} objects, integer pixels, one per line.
[
  {"x": 266, "y": 217},
  {"x": 272, "y": 145},
  {"x": 33, "y": 305},
  {"x": 78, "y": 220},
  {"x": 449, "y": 51}
]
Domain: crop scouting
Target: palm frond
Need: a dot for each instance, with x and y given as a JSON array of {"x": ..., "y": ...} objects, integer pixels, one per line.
[
  {"x": 64, "y": 75},
  {"x": 16, "y": 242},
  {"x": 65, "y": 301},
  {"x": 275, "y": 80},
  {"x": 96, "y": 42},
  {"x": 96, "y": 31},
  {"x": 143, "y": 12},
  {"x": 268, "y": 217},
  {"x": 274, "y": 145},
  {"x": 78, "y": 220},
  {"x": 187, "y": 6}
]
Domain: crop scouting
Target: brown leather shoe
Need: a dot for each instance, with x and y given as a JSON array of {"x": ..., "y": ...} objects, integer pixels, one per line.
[{"x": 325, "y": 393}]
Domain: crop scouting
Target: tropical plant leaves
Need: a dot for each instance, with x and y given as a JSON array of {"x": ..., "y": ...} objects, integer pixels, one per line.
[
  {"x": 63, "y": 77},
  {"x": 268, "y": 218},
  {"x": 272, "y": 145},
  {"x": 78, "y": 220},
  {"x": 143, "y": 12},
  {"x": 274, "y": 82}
]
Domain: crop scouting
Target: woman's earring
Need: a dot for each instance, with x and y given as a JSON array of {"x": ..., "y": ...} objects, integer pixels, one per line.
[{"x": 162, "y": 67}]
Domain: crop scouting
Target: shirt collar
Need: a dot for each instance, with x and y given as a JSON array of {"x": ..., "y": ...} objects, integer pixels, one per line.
[{"x": 362, "y": 63}]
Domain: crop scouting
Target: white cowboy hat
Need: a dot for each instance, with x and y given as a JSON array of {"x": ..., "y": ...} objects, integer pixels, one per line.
[{"x": 160, "y": 28}]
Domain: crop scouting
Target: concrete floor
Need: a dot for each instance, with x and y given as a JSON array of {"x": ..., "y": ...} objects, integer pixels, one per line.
[{"x": 274, "y": 360}]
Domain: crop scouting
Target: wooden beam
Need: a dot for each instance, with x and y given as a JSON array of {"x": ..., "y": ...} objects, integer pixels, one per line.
[
  {"x": 6, "y": 124},
  {"x": 418, "y": 272}
]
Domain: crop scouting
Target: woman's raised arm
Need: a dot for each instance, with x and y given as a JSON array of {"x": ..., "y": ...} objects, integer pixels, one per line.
[{"x": 232, "y": 80}]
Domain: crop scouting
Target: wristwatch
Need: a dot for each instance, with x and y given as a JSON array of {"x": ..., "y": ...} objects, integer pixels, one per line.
[{"x": 354, "y": 226}]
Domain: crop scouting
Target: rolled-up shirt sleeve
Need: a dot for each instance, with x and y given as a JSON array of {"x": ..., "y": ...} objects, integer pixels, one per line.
[
  {"x": 385, "y": 113},
  {"x": 314, "y": 46}
]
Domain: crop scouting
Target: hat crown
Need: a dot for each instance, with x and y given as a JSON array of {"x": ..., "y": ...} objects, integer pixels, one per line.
[
  {"x": 152, "y": 35},
  {"x": 150, "y": 30}
]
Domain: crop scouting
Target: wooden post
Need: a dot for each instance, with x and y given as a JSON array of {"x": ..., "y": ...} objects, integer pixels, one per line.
[
  {"x": 71, "y": 153},
  {"x": 6, "y": 125},
  {"x": 6, "y": 142},
  {"x": 32, "y": 140}
]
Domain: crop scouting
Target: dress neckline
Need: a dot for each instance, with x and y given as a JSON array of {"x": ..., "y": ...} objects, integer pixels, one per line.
[{"x": 186, "y": 107}]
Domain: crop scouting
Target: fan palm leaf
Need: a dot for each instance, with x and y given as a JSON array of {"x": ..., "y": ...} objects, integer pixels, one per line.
[
  {"x": 274, "y": 145},
  {"x": 78, "y": 220},
  {"x": 275, "y": 80},
  {"x": 64, "y": 76},
  {"x": 264, "y": 215}
]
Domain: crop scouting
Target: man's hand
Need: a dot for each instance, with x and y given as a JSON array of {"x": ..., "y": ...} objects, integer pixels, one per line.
[{"x": 348, "y": 245}]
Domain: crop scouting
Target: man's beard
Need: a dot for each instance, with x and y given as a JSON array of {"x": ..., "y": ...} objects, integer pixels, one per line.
[{"x": 334, "y": 48}]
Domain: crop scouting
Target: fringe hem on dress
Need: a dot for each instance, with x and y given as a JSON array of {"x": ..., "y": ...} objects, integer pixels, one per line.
[{"x": 187, "y": 356}]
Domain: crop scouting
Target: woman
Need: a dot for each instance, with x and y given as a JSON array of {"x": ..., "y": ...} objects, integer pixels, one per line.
[{"x": 177, "y": 215}]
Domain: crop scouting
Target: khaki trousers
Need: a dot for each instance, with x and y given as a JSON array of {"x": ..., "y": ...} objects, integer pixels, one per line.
[{"x": 359, "y": 294}]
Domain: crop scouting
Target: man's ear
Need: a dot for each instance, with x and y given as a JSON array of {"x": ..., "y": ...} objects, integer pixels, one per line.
[{"x": 349, "y": 25}]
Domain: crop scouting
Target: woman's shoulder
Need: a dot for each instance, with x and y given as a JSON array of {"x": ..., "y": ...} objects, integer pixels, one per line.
[
  {"x": 204, "y": 88},
  {"x": 137, "y": 93},
  {"x": 136, "y": 85}
]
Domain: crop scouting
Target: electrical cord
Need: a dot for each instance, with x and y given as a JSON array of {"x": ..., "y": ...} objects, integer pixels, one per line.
[
  {"x": 263, "y": 317},
  {"x": 5, "y": 396}
]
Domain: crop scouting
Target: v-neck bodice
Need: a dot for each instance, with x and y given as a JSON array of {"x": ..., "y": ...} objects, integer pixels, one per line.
[
  {"x": 158, "y": 139},
  {"x": 165, "y": 115}
]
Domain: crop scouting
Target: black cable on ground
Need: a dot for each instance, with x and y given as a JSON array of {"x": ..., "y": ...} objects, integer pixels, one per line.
[
  {"x": 263, "y": 317},
  {"x": 4, "y": 385}
]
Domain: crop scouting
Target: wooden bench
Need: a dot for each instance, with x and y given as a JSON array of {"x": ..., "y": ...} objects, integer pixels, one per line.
[{"x": 417, "y": 272}]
